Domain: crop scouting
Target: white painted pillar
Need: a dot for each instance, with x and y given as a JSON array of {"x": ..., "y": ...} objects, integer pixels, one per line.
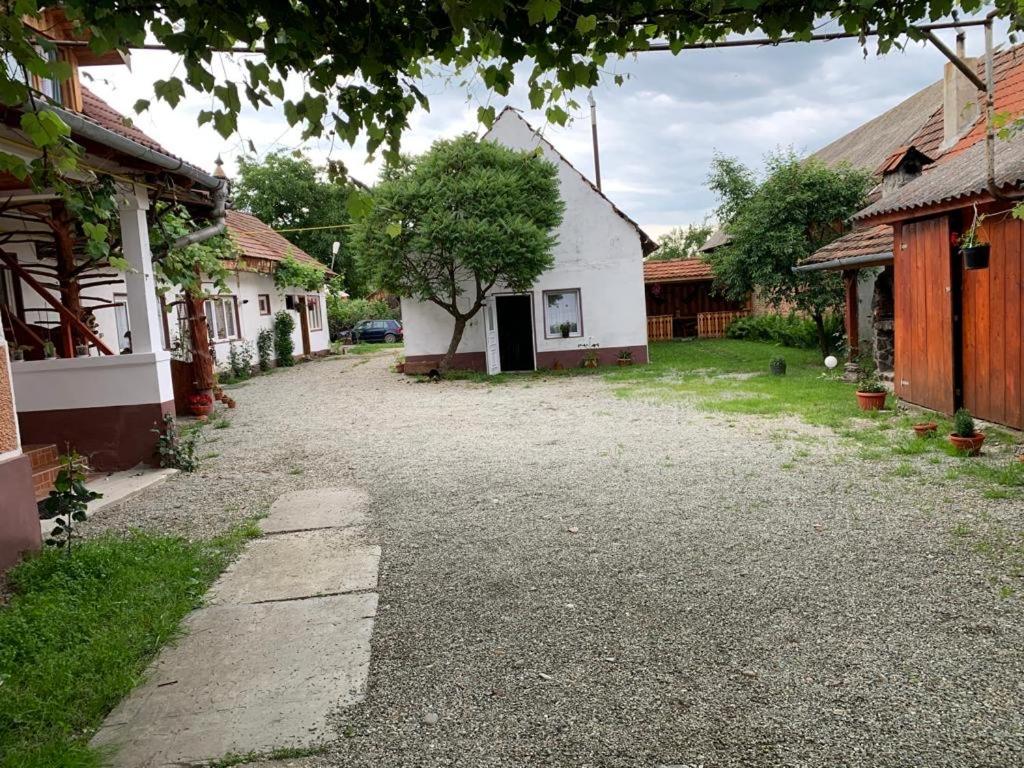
[{"x": 140, "y": 284}]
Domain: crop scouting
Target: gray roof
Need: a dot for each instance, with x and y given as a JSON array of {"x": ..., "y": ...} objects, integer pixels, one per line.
[
  {"x": 718, "y": 238},
  {"x": 960, "y": 176},
  {"x": 868, "y": 145}
]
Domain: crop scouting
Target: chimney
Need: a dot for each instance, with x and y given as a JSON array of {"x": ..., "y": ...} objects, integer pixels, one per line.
[{"x": 960, "y": 108}]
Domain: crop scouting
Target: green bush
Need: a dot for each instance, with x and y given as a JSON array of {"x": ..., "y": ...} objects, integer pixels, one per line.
[
  {"x": 265, "y": 348},
  {"x": 342, "y": 314},
  {"x": 788, "y": 330},
  {"x": 284, "y": 325}
]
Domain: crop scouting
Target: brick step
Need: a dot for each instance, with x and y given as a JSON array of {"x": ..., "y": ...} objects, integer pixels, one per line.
[
  {"x": 41, "y": 454},
  {"x": 43, "y": 479}
]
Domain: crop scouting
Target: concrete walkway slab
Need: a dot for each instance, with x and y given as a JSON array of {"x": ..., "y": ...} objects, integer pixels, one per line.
[
  {"x": 317, "y": 508},
  {"x": 297, "y": 565},
  {"x": 246, "y": 678}
]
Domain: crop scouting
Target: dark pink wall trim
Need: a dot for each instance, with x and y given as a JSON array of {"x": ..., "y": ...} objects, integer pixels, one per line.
[
  {"x": 110, "y": 438},
  {"x": 569, "y": 358},
  {"x": 19, "y": 518}
]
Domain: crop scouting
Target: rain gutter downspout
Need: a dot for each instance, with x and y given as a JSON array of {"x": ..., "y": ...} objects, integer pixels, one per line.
[
  {"x": 219, "y": 187},
  {"x": 849, "y": 262}
]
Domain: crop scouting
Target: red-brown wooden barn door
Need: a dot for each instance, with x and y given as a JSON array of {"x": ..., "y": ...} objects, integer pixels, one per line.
[
  {"x": 992, "y": 318},
  {"x": 924, "y": 314}
]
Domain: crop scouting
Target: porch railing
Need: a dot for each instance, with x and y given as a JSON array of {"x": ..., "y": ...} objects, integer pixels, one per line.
[
  {"x": 659, "y": 327},
  {"x": 712, "y": 325}
]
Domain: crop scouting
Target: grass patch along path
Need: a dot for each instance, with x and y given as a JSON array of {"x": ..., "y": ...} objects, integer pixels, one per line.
[{"x": 78, "y": 633}]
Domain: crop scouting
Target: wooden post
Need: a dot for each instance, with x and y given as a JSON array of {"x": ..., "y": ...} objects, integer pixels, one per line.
[
  {"x": 70, "y": 295},
  {"x": 202, "y": 360},
  {"x": 851, "y": 319}
]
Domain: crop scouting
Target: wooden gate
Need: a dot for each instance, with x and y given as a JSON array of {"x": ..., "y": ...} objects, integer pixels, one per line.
[
  {"x": 923, "y": 299},
  {"x": 992, "y": 328}
]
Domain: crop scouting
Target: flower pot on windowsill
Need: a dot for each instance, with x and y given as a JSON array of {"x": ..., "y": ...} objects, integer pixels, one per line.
[
  {"x": 81, "y": 350},
  {"x": 972, "y": 444},
  {"x": 565, "y": 333},
  {"x": 925, "y": 428},
  {"x": 871, "y": 401},
  {"x": 976, "y": 256}
]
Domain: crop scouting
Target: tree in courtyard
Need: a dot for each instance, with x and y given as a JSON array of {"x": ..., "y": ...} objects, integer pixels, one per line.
[
  {"x": 450, "y": 225},
  {"x": 798, "y": 207},
  {"x": 681, "y": 242},
  {"x": 287, "y": 191}
]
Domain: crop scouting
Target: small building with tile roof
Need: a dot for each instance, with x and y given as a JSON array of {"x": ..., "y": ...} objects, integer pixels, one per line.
[
  {"x": 590, "y": 303},
  {"x": 678, "y": 293}
]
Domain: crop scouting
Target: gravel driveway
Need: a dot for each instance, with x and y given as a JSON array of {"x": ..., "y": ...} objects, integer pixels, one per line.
[{"x": 574, "y": 579}]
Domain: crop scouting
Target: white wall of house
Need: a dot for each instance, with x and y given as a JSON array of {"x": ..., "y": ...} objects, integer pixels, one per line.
[
  {"x": 244, "y": 290},
  {"x": 598, "y": 253}
]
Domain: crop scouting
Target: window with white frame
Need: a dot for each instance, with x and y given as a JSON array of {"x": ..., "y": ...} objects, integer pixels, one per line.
[
  {"x": 221, "y": 318},
  {"x": 562, "y": 309},
  {"x": 316, "y": 318}
]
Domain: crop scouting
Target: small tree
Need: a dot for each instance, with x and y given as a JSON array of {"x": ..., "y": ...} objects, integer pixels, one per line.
[
  {"x": 800, "y": 206},
  {"x": 284, "y": 324},
  {"x": 265, "y": 348},
  {"x": 467, "y": 216},
  {"x": 681, "y": 242}
]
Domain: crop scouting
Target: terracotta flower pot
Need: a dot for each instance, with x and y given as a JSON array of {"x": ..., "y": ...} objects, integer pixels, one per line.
[
  {"x": 970, "y": 444},
  {"x": 925, "y": 428},
  {"x": 201, "y": 411},
  {"x": 231, "y": 402},
  {"x": 871, "y": 401},
  {"x": 623, "y": 362}
]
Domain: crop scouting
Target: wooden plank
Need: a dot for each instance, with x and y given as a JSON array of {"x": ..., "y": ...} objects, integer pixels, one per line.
[
  {"x": 902, "y": 373},
  {"x": 1011, "y": 260}
]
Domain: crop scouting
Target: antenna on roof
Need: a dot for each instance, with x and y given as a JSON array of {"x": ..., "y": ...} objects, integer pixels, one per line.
[{"x": 593, "y": 133}]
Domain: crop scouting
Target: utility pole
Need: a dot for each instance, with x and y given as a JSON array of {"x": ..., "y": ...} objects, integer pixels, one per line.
[{"x": 593, "y": 133}]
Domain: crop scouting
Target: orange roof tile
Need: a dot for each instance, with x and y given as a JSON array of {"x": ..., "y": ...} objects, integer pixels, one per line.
[
  {"x": 677, "y": 271},
  {"x": 256, "y": 240},
  {"x": 860, "y": 241}
]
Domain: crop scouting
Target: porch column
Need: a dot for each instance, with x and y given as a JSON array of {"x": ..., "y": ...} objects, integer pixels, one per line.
[
  {"x": 851, "y": 320},
  {"x": 140, "y": 284}
]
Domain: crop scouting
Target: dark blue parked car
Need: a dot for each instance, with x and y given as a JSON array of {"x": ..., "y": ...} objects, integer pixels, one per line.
[{"x": 388, "y": 331}]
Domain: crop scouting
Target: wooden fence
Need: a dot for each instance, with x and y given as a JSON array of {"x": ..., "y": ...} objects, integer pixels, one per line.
[
  {"x": 659, "y": 327},
  {"x": 712, "y": 325}
]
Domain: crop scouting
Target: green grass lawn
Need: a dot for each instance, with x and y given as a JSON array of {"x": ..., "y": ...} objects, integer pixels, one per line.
[
  {"x": 365, "y": 348},
  {"x": 79, "y": 631}
]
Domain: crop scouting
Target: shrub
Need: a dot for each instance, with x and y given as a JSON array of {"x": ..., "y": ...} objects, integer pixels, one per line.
[
  {"x": 342, "y": 314},
  {"x": 284, "y": 325},
  {"x": 963, "y": 423},
  {"x": 788, "y": 330},
  {"x": 240, "y": 360},
  {"x": 265, "y": 348},
  {"x": 177, "y": 449}
]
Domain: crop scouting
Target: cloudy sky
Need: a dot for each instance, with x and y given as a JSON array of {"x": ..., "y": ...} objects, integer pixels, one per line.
[{"x": 658, "y": 131}]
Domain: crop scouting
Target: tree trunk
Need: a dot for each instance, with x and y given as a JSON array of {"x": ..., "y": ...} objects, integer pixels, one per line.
[
  {"x": 460, "y": 327},
  {"x": 64, "y": 245},
  {"x": 819, "y": 325}
]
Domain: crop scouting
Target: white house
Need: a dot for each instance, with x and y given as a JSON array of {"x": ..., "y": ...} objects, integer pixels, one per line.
[{"x": 596, "y": 286}]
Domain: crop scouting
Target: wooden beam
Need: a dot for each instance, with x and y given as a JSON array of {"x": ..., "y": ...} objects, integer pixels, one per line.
[
  {"x": 64, "y": 312},
  {"x": 850, "y": 316}
]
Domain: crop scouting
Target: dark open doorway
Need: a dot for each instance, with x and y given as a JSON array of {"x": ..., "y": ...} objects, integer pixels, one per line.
[{"x": 515, "y": 333}]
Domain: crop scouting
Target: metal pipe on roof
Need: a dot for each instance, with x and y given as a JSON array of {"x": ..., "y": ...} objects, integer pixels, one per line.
[{"x": 864, "y": 260}]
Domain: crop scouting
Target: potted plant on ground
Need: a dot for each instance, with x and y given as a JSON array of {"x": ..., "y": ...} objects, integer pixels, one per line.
[
  {"x": 590, "y": 359},
  {"x": 625, "y": 357},
  {"x": 973, "y": 248},
  {"x": 201, "y": 404},
  {"x": 925, "y": 428},
  {"x": 49, "y": 350},
  {"x": 777, "y": 366},
  {"x": 965, "y": 436},
  {"x": 565, "y": 329},
  {"x": 871, "y": 392}
]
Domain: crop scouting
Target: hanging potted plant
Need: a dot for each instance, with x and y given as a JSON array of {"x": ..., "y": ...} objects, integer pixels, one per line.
[
  {"x": 871, "y": 392},
  {"x": 201, "y": 404},
  {"x": 973, "y": 248},
  {"x": 965, "y": 436},
  {"x": 777, "y": 366}
]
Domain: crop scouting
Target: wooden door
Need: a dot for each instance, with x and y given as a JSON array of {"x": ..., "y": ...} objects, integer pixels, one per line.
[
  {"x": 307, "y": 348},
  {"x": 992, "y": 332},
  {"x": 923, "y": 299}
]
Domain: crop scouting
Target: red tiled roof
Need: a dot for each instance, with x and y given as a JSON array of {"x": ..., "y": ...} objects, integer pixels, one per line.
[
  {"x": 105, "y": 116},
  {"x": 1008, "y": 74},
  {"x": 677, "y": 271},
  {"x": 256, "y": 240},
  {"x": 861, "y": 241}
]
